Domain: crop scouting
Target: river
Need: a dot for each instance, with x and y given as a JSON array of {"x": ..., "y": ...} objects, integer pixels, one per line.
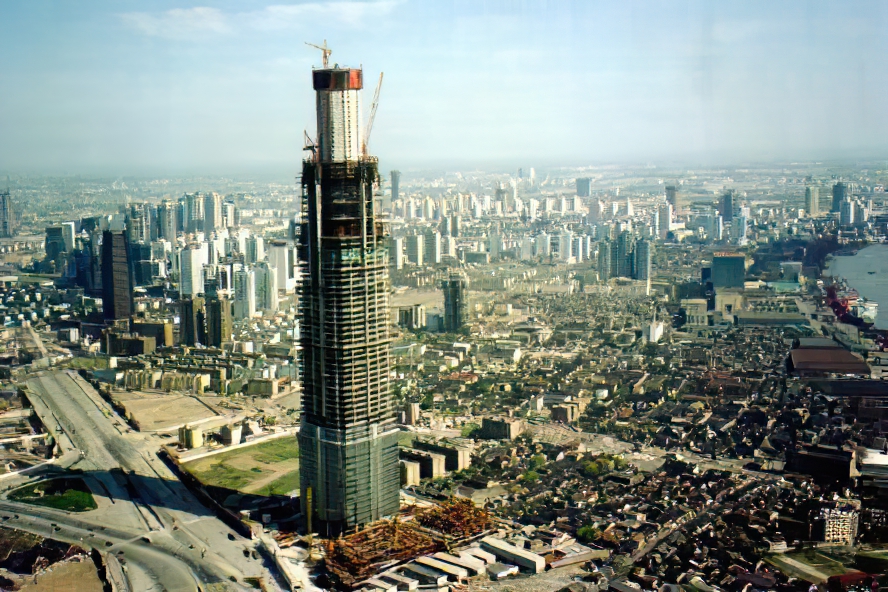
[{"x": 856, "y": 271}]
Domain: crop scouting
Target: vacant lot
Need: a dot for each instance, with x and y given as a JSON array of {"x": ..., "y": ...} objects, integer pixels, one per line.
[
  {"x": 267, "y": 468},
  {"x": 70, "y": 576},
  {"x": 62, "y": 494}
]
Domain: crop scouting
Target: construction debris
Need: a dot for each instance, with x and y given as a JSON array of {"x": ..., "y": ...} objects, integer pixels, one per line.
[
  {"x": 455, "y": 517},
  {"x": 376, "y": 548}
]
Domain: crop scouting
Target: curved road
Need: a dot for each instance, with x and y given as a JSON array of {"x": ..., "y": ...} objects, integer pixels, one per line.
[{"x": 164, "y": 538}]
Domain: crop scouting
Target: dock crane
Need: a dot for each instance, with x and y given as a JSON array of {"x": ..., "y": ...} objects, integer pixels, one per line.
[
  {"x": 325, "y": 52},
  {"x": 372, "y": 117}
]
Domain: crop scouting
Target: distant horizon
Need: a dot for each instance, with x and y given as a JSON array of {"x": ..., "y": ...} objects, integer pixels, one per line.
[{"x": 275, "y": 174}]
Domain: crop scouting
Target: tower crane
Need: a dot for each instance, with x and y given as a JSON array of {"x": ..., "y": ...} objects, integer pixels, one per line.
[
  {"x": 373, "y": 107},
  {"x": 325, "y": 51}
]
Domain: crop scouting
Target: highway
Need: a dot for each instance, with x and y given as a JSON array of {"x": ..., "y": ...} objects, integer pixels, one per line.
[{"x": 165, "y": 539}]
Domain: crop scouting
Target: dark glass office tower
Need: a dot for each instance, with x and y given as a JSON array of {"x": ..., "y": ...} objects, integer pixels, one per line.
[
  {"x": 117, "y": 276},
  {"x": 348, "y": 440},
  {"x": 456, "y": 303}
]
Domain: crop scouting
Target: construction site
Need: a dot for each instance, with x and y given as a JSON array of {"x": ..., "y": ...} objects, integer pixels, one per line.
[
  {"x": 348, "y": 436},
  {"x": 387, "y": 544}
]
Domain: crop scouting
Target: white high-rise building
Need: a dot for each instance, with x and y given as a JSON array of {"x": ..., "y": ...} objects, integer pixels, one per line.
[
  {"x": 415, "y": 249},
  {"x": 191, "y": 262},
  {"x": 812, "y": 201},
  {"x": 68, "y": 235},
  {"x": 533, "y": 208},
  {"x": 565, "y": 246},
  {"x": 282, "y": 256},
  {"x": 212, "y": 213},
  {"x": 397, "y": 254},
  {"x": 266, "y": 283}
]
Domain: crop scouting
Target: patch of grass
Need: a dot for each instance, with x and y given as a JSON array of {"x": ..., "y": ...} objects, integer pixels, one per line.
[
  {"x": 468, "y": 429},
  {"x": 71, "y": 495},
  {"x": 277, "y": 450},
  {"x": 90, "y": 363},
  {"x": 268, "y": 468},
  {"x": 222, "y": 475},
  {"x": 281, "y": 486}
]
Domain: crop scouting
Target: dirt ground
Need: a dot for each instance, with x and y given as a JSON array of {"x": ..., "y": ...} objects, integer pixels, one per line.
[
  {"x": 157, "y": 412},
  {"x": 69, "y": 576}
]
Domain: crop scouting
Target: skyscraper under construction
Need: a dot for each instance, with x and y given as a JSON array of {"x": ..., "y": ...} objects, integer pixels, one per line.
[{"x": 348, "y": 439}]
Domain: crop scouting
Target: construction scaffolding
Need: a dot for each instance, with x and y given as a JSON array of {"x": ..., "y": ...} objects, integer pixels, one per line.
[
  {"x": 456, "y": 517},
  {"x": 348, "y": 440},
  {"x": 372, "y": 550}
]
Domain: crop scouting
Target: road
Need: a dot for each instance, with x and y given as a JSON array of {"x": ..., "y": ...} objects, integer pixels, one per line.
[
  {"x": 166, "y": 538},
  {"x": 38, "y": 342}
]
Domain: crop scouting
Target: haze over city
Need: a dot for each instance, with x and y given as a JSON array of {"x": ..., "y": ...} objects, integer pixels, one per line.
[
  {"x": 170, "y": 87},
  {"x": 441, "y": 296}
]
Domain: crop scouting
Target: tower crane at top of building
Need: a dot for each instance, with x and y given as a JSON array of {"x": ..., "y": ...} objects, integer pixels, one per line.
[
  {"x": 325, "y": 52},
  {"x": 372, "y": 117}
]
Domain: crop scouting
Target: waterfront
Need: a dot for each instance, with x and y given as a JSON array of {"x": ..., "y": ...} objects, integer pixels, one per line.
[{"x": 855, "y": 269}]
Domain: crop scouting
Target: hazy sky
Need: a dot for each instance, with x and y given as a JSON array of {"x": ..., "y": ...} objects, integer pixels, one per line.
[{"x": 135, "y": 87}]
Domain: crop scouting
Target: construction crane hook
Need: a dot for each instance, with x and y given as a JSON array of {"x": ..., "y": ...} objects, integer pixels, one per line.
[{"x": 325, "y": 52}]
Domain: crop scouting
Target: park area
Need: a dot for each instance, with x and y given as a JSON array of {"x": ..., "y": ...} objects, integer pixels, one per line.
[
  {"x": 270, "y": 467},
  {"x": 70, "y": 494}
]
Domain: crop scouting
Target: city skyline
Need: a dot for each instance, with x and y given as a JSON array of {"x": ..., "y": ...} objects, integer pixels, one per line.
[{"x": 173, "y": 88}]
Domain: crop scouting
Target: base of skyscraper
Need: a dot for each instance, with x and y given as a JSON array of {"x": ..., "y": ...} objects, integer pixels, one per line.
[{"x": 367, "y": 457}]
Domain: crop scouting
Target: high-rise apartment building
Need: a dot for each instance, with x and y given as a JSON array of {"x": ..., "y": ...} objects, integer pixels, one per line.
[
  {"x": 584, "y": 186},
  {"x": 69, "y": 233},
  {"x": 456, "y": 303},
  {"x": 396, "y": 185},
  {"x": 673, "y": 198},
  {"x": 416, "y": 249},
  {"x": 117, "y": 276},
  {"x": 266, "y": 287},
  {"x": 218, "y": 319},
  {"x": 664, "y": 220},
  {"x": 625, "y": 260},
  {"x": 167, "y": 220},
  {"x": 727, "y": 206},
  {"x": 244, "y": 294},
  {"x": 191, "y": 262},
  {"x": 193, "y": 220},
  {"x": 138, "y": 223},
  {"x": 605, "y": 256},
  {"x": 812, "y": 201},
  {"x": 642, "y": 260},
  {"x": 255, "y": 249},
  {"x": 193, "y": 327},
  {"x": 432, "y": 247},
  {"x": 7, "y": 215},
  {"x": 212, "y": 212},
  {"x": 839, "y": 192},
  {"x": 348, "y": 440}
]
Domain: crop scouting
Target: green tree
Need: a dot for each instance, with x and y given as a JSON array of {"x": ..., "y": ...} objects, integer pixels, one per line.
[
  {"x": 590, "y": 469},
  {"x": 531, "y": 476},
  {"x": 588, "y": 533},
  {"x": 537, "y": 461}
]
